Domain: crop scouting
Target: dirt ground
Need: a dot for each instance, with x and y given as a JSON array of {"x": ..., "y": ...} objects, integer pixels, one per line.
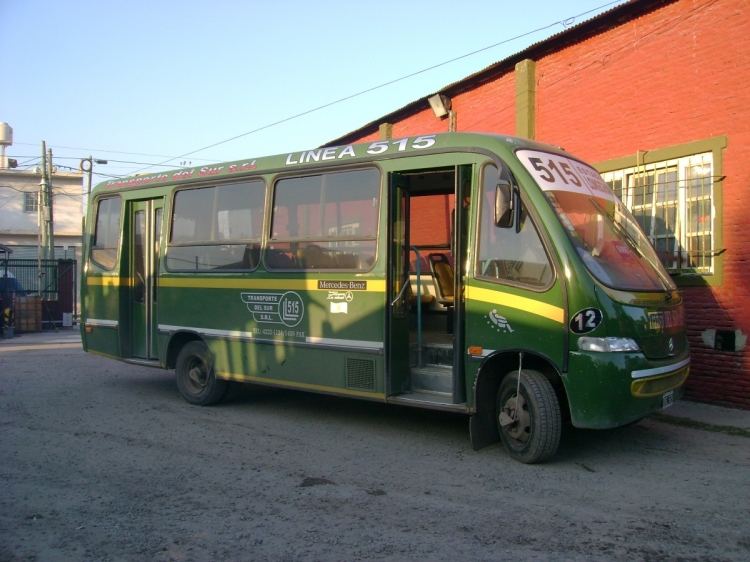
[{"x": 101, "y": 460}]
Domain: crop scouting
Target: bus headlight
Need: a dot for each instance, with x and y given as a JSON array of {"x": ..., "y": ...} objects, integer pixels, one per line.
[{"x": 604, "y": 345}]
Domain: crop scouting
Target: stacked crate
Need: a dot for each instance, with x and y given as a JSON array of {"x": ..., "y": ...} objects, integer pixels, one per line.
[{"x": 28, "y": 313}]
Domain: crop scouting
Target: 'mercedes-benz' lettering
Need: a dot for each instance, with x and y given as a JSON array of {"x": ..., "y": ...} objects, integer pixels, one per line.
[{"x": 342, "y": 285}]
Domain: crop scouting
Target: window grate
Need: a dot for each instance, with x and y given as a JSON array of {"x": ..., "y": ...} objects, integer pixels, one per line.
[{"x": 673, "y": 202}]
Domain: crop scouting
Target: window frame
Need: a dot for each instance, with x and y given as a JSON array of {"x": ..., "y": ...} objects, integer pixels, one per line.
[
  {"x": 27, "y": 199},
  {"x": 531, "y": 218},
  {"x": 315, "y": 240},
  {"x": 169, "y": 219},
  {"x": 118, "y": 246},
  {"x": 650, "y": 159}
]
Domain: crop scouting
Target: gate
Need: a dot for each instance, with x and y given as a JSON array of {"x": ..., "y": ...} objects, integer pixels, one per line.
[{"x": 35, "y": 294}]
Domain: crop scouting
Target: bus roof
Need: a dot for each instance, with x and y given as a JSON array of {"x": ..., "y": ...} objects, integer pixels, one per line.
[{"x": 326, "y": 156}]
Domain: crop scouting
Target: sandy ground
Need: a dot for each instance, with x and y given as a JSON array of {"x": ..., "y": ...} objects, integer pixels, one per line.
[{"x": 101, "y": 460}]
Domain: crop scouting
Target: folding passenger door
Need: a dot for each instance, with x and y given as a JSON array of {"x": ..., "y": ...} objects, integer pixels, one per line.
[
  {"x": 398, "y": 286},
  {"x": 146, "y": 220}
]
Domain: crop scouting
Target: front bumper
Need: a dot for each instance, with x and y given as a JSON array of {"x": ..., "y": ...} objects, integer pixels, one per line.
[{"x": 612, "y": 389}]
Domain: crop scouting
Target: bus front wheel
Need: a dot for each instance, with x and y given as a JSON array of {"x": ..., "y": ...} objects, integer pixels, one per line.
[
  {"x": 196, "y": 380},
  {"x": 528, "y": 416}
]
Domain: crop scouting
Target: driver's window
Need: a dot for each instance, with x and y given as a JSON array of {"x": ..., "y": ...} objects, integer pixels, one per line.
[{"x": 514, "y": 254}]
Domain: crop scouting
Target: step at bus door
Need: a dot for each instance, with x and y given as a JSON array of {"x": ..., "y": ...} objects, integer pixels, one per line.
[
  {"x": 398, "y": 291},
  {"x": 146, "y": 218}
]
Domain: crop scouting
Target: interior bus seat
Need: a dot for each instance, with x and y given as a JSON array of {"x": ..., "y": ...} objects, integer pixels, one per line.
[
  {"x": 345, "y": 260},
  {"x": 443, "y": 274},
  {"x": 427, "y": 298},
  {"x": 277, "y": 259},
  {"x": 313, "y": 257}
]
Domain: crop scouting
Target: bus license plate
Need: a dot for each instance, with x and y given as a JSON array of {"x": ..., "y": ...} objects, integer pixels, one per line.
[{"x": 667, "y": 399}]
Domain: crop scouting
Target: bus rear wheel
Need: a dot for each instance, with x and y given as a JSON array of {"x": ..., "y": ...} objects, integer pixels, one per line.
[
  {"x": 528, "y": 417},
  {"x": 196, "y": 380}
]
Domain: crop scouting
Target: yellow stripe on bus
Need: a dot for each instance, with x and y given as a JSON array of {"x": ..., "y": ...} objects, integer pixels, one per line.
[
  {"x": 377, "y": 285},
  {"x": 108, "y": 281},
  {"x": 373, "y": 285},
  {"x": 493, "y": 296}
]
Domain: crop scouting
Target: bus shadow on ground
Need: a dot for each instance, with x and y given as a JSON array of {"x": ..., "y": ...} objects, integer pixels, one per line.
[
  {"x": 348, "y": 412},
  {"x": 578, "y": 446}
]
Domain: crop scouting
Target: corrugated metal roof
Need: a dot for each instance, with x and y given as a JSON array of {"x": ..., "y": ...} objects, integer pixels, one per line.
[{"x": 587, "y": 28}]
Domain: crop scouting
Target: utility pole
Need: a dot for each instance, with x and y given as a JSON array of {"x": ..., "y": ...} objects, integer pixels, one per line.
[
  {"x": 49, "y": 202},
  {"x": 45, "y": 207}
]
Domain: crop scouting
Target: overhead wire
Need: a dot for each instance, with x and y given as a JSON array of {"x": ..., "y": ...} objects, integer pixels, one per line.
[
  {"x": 564, "y": 22},
  {"x": 107, "y": 151}
]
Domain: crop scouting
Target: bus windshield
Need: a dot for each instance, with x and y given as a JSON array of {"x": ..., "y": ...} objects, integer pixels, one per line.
[{"x": 606, "y": 235}]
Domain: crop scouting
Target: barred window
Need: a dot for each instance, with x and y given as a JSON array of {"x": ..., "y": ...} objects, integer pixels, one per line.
[
  {"x": 673, "y": 202},
  {"x": 30, "y": 202}
]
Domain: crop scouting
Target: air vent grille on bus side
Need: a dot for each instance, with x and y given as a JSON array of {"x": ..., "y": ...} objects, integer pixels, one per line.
[{"x": 360, "y": 374}]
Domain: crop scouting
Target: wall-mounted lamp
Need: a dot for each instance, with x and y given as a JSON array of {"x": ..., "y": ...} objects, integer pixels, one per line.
[
  {"x": 441, "y": 107},
  {"x": 440, "y": 104}
]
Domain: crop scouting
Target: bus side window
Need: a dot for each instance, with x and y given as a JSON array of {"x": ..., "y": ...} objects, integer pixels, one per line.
[
  {"x": 325, "y": 222},
  {"x": 217, "y": 228},
  {"x": 107, "y": 235},
  {"x": 513, "y": 254}
]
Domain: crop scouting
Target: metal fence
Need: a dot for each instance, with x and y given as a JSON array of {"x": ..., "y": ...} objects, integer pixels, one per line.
[{"x": 52, "y": 280}]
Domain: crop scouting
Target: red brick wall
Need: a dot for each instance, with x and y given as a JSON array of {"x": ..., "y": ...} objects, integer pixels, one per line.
[
  {"x": 431, "y": 220},
  {"x": 678, "y": 74}
]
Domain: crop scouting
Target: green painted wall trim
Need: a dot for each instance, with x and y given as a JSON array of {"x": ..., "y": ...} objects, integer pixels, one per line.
[
  {"x": 526, "y": 99},
  {"x": 715, "y": 145},
  {"x": 385, "y": 131}
]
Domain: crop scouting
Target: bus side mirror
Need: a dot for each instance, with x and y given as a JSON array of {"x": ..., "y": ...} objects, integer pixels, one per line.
[{"x": 503, "y": 204}]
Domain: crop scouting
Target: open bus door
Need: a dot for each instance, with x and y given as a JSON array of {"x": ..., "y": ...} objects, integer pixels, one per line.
[
  {"x": 425, "y": 339},
  {"x": 146, "y": 218},
  {"x": 398, "y": 283}
]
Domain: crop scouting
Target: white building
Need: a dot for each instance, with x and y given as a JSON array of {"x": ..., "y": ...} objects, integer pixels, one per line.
[
  {"x": 19, "y": 208},
  {"x": 19, "y": 212}
]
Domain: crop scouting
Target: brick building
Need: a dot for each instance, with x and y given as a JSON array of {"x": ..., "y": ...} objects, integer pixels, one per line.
[{"x": 655, "y": 94}]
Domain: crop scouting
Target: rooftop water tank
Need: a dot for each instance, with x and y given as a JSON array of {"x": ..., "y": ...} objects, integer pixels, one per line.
[{"x": 6, "y": 134}]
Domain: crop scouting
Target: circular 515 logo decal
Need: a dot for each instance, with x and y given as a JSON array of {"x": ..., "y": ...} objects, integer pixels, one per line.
[{"x": 585, "y": 320}]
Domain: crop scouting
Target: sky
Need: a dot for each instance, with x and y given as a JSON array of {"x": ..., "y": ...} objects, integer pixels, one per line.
[{"x": 148, "y": 84}]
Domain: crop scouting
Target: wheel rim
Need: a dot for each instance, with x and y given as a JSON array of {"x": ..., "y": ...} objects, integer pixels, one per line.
[
  {"x": 197, "y": 375},
  {"x": 517, "y": 409}
]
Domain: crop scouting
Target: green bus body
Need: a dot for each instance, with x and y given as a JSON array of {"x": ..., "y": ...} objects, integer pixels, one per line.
[{"x": 314, "y": 285}]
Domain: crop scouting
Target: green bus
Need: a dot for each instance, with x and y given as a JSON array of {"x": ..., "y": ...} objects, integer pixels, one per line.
[{"x": 487, "y": 275}]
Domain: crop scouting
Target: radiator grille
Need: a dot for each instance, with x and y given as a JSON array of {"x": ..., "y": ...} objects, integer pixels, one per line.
[{"x": 360, "y": 374}]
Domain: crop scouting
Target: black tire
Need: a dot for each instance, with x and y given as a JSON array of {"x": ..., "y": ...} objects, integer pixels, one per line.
[
  {"x": 532, "y": 434},
  {"x": 196, "y": 380}
]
